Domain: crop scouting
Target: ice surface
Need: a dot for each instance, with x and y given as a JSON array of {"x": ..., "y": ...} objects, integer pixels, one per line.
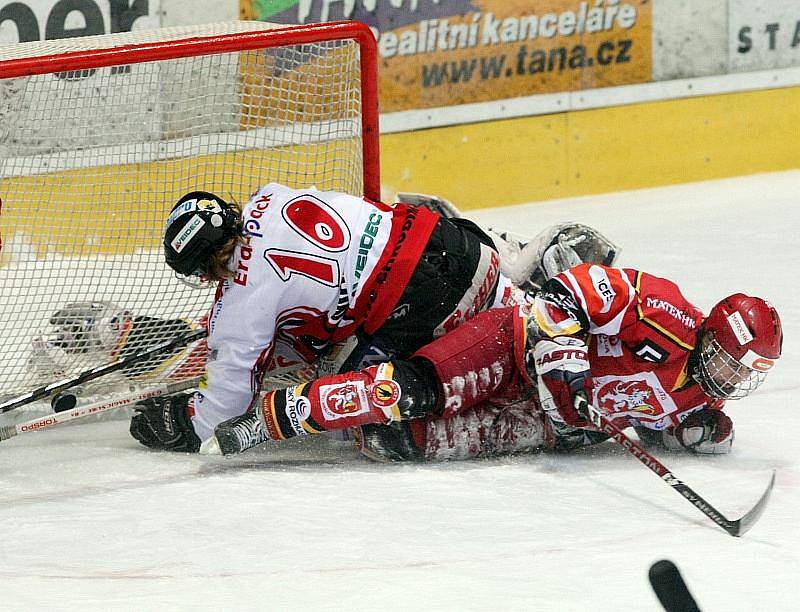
[{"x": 92, "y": 521}]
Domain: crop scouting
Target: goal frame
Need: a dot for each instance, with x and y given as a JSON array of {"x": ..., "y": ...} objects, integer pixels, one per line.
[
  {"x": 226, "y": 43},
  {"x": 81, "y": 55}
]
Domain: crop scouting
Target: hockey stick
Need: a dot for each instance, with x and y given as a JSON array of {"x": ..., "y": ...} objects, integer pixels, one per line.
[
  {"x": 735, "y": 528},
  {"x": 670, "y": 588},
  {"x": 49, "y": 420},
  {"x": 91, "y": 374}
]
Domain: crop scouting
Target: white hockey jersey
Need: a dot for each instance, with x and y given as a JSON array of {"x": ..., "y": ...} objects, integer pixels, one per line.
[{"x": 314, "y": 267}]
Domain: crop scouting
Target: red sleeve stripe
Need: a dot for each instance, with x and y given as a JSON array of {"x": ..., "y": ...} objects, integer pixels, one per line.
[
  {"x": 412, "y": 227},
  {"x": 604, "y": 294}
]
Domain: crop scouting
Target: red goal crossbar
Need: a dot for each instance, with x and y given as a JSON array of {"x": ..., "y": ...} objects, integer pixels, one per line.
[{"x": 224, "y": 43}]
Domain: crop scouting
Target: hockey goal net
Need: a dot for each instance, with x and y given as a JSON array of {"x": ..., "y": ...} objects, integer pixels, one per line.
[{"x": 99, "y": 137}]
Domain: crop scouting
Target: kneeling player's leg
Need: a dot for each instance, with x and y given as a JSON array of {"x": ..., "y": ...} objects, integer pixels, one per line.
[
  {"x": 485, "y": 430},
  {"x": 475, "y": 362},
  {"x": 389, "y": 392},
  {"x": 478, "y": 361}
]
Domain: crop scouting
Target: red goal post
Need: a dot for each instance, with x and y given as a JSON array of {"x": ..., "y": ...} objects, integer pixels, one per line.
[{"x": 100, "y": 135}]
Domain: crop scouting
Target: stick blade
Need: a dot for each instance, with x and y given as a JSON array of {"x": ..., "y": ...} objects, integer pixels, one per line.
[{"x": 743, "y": 525}]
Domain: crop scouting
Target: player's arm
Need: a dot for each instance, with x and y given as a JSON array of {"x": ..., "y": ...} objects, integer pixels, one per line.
[
  {"x": 586, "y": 299},
  {"x": 707, "y": 431},
  {"x": 560, "y": 369},
  {"x": 239, "y": 353},
  {"x": 583, "y": 300}
]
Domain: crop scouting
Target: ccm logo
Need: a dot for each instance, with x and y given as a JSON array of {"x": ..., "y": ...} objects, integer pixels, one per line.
[{"x": 762, "y": 364}]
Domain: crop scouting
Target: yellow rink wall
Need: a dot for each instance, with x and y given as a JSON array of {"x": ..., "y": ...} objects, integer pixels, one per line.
[{"x": 497, "y": 163}]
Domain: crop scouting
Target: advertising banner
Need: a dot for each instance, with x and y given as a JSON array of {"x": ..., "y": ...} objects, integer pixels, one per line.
[
  {"x": 27, "y": 20},
  {"x": 436, "y": 53},
  {"x": 764, "y": 34}
]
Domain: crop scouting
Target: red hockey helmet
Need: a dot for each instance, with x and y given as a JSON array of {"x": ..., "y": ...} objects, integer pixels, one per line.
[{"x": 740, "y": 341}]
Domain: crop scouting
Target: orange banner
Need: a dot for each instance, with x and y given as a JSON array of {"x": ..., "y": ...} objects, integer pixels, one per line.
[{"x": 445, "y": 52}]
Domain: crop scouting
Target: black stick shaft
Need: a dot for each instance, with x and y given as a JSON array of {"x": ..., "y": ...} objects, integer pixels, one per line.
[
  {"x": 93, "y": 373},
  {"x": 732, "y": 527},
  {"x": 670, "y": 587}
]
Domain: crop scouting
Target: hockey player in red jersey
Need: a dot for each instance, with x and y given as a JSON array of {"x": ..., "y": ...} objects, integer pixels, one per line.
[
  {"x": 652, "y": 361},
  {"x": 510, "y": 381}
]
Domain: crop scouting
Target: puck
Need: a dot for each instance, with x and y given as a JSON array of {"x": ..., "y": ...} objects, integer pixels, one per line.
[
  {"x": 63, "y": 401},
  {"x": 670, "y": 588}
]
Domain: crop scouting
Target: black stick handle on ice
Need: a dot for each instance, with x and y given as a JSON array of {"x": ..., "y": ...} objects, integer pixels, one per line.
[{"x": 670, "y": 588}]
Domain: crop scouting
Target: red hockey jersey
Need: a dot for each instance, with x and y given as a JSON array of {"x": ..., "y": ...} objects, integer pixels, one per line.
[{"x": 640, "y": 331}]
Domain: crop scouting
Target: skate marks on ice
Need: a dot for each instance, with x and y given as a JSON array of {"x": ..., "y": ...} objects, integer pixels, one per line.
[{"x": 97, "y": 459}]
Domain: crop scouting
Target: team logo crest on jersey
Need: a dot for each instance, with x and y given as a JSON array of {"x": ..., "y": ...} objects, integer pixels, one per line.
[
  {"x": 384, "y": 393},
  {"x": 628, "y": 396},
  {"x": 343, "y": 399}
]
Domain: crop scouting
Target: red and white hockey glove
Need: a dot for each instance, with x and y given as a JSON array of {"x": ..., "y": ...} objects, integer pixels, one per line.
[
  {"x": 708, "y": 432},
  {"x": 561, "y": 367}
]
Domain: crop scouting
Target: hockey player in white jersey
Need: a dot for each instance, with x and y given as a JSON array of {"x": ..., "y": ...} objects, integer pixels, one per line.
[{"x": 301, "y": 271}]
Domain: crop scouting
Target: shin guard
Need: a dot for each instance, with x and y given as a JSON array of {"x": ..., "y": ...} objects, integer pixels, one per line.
[{"x": 478, "y": 361}]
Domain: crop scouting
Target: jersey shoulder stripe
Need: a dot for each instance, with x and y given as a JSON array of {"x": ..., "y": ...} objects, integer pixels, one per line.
[
  {"x": 604, "y": 293},
  {"x": 662, "y": 307}
]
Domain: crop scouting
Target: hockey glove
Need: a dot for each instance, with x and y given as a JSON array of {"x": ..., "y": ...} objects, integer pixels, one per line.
[
  {"x": 707, "y": 432},
  {"x": 162, "y": 423},
  {"x": 561, "y": 368}
]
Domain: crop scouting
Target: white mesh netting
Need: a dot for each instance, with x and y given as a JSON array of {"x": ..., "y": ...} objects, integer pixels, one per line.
[{"x": 91, "y": 161}]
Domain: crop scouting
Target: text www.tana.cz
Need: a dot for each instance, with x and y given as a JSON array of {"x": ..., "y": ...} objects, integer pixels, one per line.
[{"x": 526, "y": 61}]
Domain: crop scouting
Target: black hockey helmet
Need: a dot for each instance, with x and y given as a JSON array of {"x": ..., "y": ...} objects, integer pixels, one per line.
[{"x": 197, "y": 227}]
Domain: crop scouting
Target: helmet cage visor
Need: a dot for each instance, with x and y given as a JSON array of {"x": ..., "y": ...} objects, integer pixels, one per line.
[
  {"x": 197, "y": 280},
  {"x": 721, "y": 375}
]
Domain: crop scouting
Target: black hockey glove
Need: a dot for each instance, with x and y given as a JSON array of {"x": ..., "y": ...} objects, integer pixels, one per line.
[{"x": 162, "y": 423}]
